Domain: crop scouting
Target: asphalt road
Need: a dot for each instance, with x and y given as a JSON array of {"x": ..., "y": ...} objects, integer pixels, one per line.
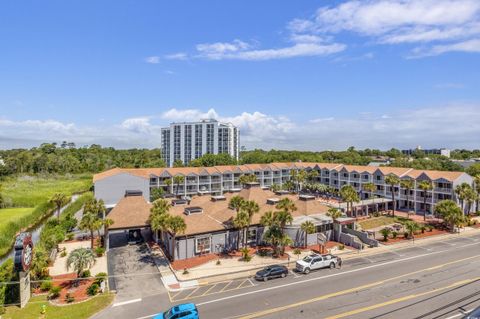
[{"x": 421, "y": 281}]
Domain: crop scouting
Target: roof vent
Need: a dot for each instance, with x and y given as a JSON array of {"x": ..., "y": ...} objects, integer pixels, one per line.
[
  {"x": 282, "y": 192},
  {"x": 129, "y": 193},
  {"x": 176, "y": 202},
  {"x": 273, "y": 201},
  {"x": 218, "y": 197},
  {"x": 193, "y": 210},
  {"x": 306, "y": 197}
]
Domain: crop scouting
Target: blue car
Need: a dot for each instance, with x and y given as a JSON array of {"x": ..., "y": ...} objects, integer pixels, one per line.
[{"x": 183, "y": 311}]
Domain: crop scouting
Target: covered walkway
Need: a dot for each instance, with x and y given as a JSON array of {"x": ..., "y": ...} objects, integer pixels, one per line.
[{"x": 366, "y": 206}]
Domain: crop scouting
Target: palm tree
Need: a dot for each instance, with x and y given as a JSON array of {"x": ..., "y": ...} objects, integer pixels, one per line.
[
  {"x": 241, "y": 221},
  {"x": 301, "y": 178},
  {"x": 175, "y": 225},
  {"x": 411, "y": 227},
  {"x": 460, "y": 191},
  {"x": 334, "y": 214},
  {"x": 393, "y": 181},
  {"x": 385, "y": 233},
  {"x": 251, "y": 208},
  {"x": 286, "y": 204},
  {"x": 267, "y": 219},
  {"x": 470, "y": 198},
  {"x": 178, "y": 179},
  {"x": 349, "y": 195},
  {"x": 425, "y": 186},
  {"x": 407, "y": 185},
  {"x": 308, "y": 228},
  {"x": 312, "y": 175},
  {"x": 236, "y": 203},
  {"x": 476, "y": 180},
  {"x": 90, "y": 222},
  {"x": 80, "y": 259},
  {"x": 273, "y": 235},
  {"x": 450, "y": 212},
  {"x": 159, "y": 215},
  {"x": 168, "y": 182},
  {"x": 59, "y": 200},
  {"x": 370, "y": 187},
  {"x": 247, "y": 178}
]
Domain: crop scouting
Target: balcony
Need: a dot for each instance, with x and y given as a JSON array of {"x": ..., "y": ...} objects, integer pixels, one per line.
[{"x": 443, "y": 190}]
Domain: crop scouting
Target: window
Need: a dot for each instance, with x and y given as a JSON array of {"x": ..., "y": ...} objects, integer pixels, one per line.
[
  {"x": 202, "y": 245},
  {"x": 252, "y": 235}
]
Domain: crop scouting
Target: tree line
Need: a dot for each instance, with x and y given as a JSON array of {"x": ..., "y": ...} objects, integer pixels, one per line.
[{"x": 67, "y": 158}]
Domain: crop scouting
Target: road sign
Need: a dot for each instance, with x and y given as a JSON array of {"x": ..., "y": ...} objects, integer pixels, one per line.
[{"x": 322, "y": 238}]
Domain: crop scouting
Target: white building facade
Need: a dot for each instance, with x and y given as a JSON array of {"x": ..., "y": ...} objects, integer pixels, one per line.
[{"x": 190, "y": 140}]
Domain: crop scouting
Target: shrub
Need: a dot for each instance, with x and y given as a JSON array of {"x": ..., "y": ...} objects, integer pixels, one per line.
[
  {"x": 245, "y": 254},
  {"x": 54, "y": 292},
  {"x": 406, "y": 235},
  {"x": 63, "y": 254},
  {"x": 46, "y": 285},
  {"x": 70, "y": 236},
  {"x": 385, "y": 233},
  {"x": 99, "y": 251},
  {"x": 394, "y": 234},
  {"x": 86, "y": 274},
  {"x": 92, "y": 290},
  {"x": 341, "y": 247},
  {"x": 69, "y": 298},
  {"x": 297, "y": 251},
  {"x": 100, "y": 277},
  {"x": 185, "y": 271},
  {"x": 263, "y": 252}
]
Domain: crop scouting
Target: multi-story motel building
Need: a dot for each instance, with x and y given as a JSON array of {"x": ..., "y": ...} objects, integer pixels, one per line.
[
  {"x": 112, "y": 184},
  {"x": 209, "y": 189},
  {"x": 190, "y": 140}
]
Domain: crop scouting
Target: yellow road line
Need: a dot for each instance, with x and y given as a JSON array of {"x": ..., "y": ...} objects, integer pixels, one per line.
[
  {"x": 241, "y": 285},
  {"x": 188, "y": 296},
  {"x": 223, "y": 289},
  {"x": 394, "y": 301},
  {"x": 206, "y": 292},
  {"x": 347, "y": 291}
]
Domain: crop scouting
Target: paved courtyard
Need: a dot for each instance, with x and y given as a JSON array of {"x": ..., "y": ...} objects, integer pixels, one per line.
[{"x": 133, "y": 270}]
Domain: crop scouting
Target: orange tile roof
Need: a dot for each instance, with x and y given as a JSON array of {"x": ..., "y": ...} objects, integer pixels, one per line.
[
  {"x": 249, "y": 168},
  {"x": 130, "y": 212}
]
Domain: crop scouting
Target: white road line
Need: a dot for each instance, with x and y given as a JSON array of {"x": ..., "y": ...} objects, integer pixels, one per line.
[
  {"x": 126, "y": 302},
  {"x": 319, "y": 278},
  {"x": 427, "y": 249},
  {"x": 251, "y": 282}
]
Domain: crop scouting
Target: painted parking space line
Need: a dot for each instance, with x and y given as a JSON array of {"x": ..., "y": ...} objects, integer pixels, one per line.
[
  {"x": 209, "y": 289},
  {"x": 223, "y": 289},
  {"x": 117, "y": 304}
]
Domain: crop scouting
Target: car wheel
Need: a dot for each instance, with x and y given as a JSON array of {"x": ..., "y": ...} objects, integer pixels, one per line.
[
  {"x": 307, "y": 270},
  {"x": 283, "y": 275},
  {"x": 265, "y": 278},
  {"x": 332, "y": 265}
]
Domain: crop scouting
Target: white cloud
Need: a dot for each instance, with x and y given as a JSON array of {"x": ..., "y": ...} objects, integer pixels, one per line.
[
  {"x": 450, "y": 85},
  {"x": 451, "y": 126},
  {"x": 152, "y": 59},
  {"x": 470, "y": 46},
  {"x": 177, "y": 56},
  {"x": 400, "y": 21}
]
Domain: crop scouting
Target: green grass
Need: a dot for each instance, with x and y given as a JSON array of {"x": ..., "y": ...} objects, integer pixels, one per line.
[
  {"x": 29, "y": 191},
  {"x": 78, "y": 311},
  {"x": 381, "y": 221},
  {"x": 12, "y": 215}
]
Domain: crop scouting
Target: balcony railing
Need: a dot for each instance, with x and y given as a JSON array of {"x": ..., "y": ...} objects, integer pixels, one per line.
[{"x": 443, "y": 190}]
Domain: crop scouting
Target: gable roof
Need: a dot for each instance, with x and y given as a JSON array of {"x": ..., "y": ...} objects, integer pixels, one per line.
[{"x": 130, "y": 212}]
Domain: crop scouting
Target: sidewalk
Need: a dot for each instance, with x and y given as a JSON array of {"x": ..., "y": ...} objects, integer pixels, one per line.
[{"x": 173, "y": 283}]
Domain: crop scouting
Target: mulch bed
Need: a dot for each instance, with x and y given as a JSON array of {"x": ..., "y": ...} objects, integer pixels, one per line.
[
  {"x": 77, "y": 291},
  {"x": 400, "y": 238}
]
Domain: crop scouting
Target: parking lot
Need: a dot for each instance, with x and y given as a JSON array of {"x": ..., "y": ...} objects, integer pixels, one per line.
[{"x": 132, "y": 270}]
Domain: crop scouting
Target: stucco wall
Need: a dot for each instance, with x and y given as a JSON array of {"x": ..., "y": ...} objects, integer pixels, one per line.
[{"x": 112, "y": 189}]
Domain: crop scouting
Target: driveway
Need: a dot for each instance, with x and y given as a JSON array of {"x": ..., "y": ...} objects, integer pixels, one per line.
[{"x": 134, "y": 272}]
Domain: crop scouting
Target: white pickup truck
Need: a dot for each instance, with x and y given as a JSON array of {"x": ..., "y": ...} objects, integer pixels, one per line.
[{"x": 316, "y": 261}]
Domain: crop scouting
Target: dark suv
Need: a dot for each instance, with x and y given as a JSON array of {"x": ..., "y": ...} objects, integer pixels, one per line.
[{"x": 274, "y": 271}]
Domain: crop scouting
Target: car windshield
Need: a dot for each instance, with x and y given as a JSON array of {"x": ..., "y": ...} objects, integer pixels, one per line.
[
  {"x": 168, "y": 314},
  {"x": 307, "y": 259}
]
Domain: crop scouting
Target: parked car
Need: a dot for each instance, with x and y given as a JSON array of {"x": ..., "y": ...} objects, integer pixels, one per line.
[
  {"x": 182, "y": 311},
  {"x": 270, "y": 272},
  {"x": 474, "y": 314},
  {"x": 316, "y": 261},
  {"x": 134, "y": 236}
]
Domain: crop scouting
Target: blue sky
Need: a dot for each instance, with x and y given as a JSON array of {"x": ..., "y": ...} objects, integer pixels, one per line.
[{"x": 378, "y": 74}]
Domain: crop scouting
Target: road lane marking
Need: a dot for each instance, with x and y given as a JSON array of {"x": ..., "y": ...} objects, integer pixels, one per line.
[
  {"x": 460, "y": 314},
  {"x": 206, "y": 292},
  {"x": 117, "y": 304},
  {"x": 405, "y": 298},
  {"x": 339, "y": 274},
  {"x": 223, "y": 289},
  {"x": 194, "y": 291}
]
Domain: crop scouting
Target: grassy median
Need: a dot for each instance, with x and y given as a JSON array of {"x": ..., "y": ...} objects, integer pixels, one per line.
[{"x": 78, "y": 311}]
